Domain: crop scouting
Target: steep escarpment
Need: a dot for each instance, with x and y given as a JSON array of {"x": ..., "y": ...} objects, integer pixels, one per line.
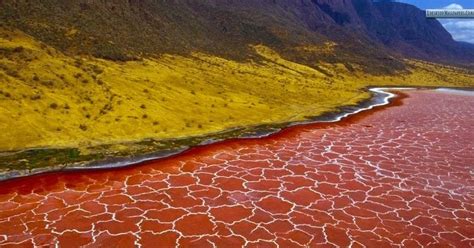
[
  {"x": 124, "y": 30},
  {"x": 405, "y": 29},
  {"x": 372, "y": 35}
]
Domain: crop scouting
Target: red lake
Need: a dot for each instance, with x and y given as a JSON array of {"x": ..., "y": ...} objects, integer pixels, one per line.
[{"x": 399, "y": 175}]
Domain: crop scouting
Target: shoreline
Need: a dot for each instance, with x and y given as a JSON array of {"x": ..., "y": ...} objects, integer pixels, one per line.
[{"x": 381, "y": 97}]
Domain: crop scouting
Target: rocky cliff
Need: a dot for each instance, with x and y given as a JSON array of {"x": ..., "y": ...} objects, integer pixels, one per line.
[{"x": 373, "y": 35}]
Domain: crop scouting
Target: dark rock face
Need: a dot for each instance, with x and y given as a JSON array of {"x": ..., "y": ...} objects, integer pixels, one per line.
[
  {"x": 405, "y": 29},
  {"x": 385, "y": 25},
  {"x": 372, "y": 35}
]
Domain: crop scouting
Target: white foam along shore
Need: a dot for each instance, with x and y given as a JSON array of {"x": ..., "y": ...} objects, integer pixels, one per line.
[
  {"x": 386, "y": 96},
  {"x": 381, "y": 97},
  {"x": 456, "y": 91}
]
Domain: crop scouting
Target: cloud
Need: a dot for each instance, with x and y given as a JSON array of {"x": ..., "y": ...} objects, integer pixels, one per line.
[
  {"x": 460, "y": 29},
  {"x": 454, "y": 6}
]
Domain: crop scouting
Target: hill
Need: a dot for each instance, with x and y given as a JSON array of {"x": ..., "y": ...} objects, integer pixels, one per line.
[
  {"x": 369, "y": 34},
  {"x": 83, "y": 74}
]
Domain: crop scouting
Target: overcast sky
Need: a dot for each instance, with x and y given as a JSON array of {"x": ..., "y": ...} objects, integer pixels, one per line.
[{"x": 460, "y": 29}]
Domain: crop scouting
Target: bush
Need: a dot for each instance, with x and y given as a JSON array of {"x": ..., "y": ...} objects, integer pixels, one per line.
[
  {"x": 111, "y": 52},
  {"x": 53, "y": 105},
  {"x": 6, "y": 94},
  {"x": 12, "y": 73},
  {"x": 18, "y": 49},
  {"x": 78, "y": 63},
  {"x": 35, "y": 97},
  {"x": 97, "y": 70}
]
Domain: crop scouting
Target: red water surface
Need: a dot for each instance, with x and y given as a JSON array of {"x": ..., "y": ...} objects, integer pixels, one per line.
[{"x": 401, "y": 176}]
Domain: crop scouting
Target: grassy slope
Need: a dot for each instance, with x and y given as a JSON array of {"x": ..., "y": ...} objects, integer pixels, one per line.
[{"x": 48, "y": 99}]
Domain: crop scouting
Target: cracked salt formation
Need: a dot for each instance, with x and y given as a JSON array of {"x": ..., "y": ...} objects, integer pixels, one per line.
[{"x": 401, "y": 176}]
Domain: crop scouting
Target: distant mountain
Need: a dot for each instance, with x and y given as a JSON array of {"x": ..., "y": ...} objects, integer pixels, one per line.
[
  {"x": 374, "y": 36},
  {"x": 405, "y": 29}
]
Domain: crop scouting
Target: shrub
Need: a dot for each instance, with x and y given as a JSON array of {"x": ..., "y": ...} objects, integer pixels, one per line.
[
  {"x": 96, "y": 69},
  {"x": 35, "y": 97},
  {"x": 111, "y": 52},
  {"x": 78, "y": 63},
  {"x": 18, "y": 49},
  {"x": 53, "y": 105},
  {"x": 12, "y": 72}
]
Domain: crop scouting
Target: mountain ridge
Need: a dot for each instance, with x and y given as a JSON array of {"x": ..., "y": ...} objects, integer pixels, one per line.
[{"x": 128, "y": 29}]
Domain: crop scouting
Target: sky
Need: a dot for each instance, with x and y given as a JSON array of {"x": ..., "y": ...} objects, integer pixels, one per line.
[
  {"x": 460, "y": 29},
  {"x": 439, "y": 4}
]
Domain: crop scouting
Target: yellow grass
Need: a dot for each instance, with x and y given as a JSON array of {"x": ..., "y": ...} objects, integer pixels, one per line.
[{"x": 49, "y": 99}]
